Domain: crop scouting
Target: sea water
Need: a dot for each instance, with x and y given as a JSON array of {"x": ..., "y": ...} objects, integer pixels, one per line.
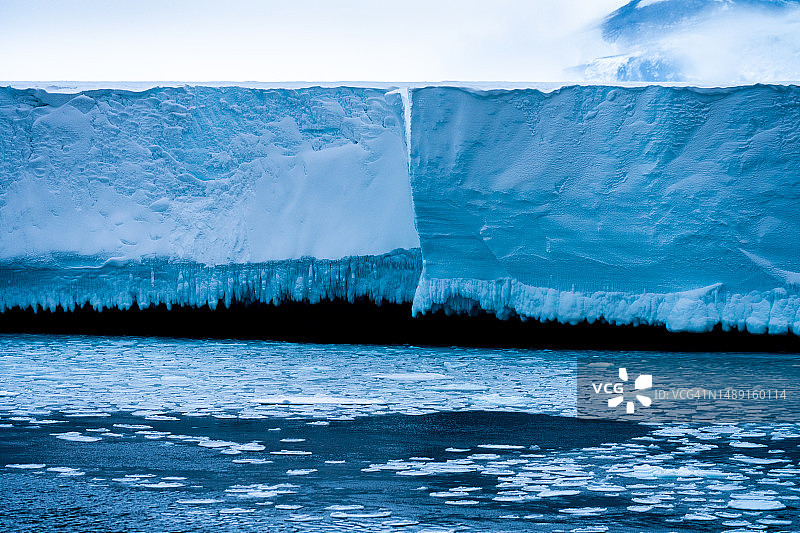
[{"x": 142, "y": 434}]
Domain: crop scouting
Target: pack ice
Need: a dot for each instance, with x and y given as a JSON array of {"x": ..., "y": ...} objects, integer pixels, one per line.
[
  {"x": 643, "y": 205},
  {"x": 192, "y": 195}
]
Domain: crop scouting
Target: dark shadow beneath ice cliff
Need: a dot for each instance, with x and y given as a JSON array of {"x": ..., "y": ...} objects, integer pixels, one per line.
[{"x": 364, "y": 322}]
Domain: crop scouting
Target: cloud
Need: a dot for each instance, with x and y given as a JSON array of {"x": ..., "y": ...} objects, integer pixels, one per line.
[
  {"x": 413, "y": 40},
  {"x": 701, "y": 41}
]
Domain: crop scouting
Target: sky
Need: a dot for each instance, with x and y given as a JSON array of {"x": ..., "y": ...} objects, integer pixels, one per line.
[{"x": 302, "y": 40}]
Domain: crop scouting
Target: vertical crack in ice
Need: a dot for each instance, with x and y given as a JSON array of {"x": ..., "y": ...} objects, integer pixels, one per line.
[{"x": 405, "y": 96}]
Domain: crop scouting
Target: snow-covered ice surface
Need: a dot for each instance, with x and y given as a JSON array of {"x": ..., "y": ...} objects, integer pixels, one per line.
[
  {"x": 170, "y": 193},
  {"x": 213, "y": 175},
  {"x": 226, "y": 436},
  {"x": 654, "y": 205}
]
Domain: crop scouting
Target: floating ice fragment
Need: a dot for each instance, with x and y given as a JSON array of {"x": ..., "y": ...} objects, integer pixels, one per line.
[
  {"x": 250, "y": 447},
  {"x": 639, "y": 508},
  {"x": 547, "y": 493},
  {"x": 412, "y": 376},
  {"x": 216, "y": 444},
  {"x": 354, "y": 507},
  {"x": 289, "y": 452},
  {"x": 300, "y": 471},
  {"x": 65, "y": 471},
  {"x": 312, "y": 400},
  {"x": 252, "y": 461},
  {"x": 703, "y": 517},
  {"x": 255, "y": 494},
  {"x": 483, "y": 456},
  {"x": 605, "y": 488},
  {"x": 756, "y": 505},
  {"x": 762, "y": 500},
  {"x": 161, "y": 485},
  {"x": 646, "y": 471},
  {"x": 175, "y": 380},
  {"x": 303, "y": 518},
  {"x": 74, "y": 436},
  {"x": 376, "y": 514},
  {"x": 133, "y": 426},
  {"x": 584, "y": 511},
  {"x": 757, "y": 460}
]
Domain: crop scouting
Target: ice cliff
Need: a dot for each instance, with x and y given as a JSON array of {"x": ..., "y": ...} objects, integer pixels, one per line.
[
  {"x": 652, "y": 205},
  {"x": 198, "y": 194}
]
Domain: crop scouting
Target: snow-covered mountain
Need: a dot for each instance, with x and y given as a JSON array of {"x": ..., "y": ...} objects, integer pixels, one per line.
[{"x": 699, "y": 41}]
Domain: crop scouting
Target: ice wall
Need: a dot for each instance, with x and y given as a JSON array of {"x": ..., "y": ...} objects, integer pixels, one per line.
[
  {"x": 194, "y": 194},
  {"x": 655, "y": 205}
]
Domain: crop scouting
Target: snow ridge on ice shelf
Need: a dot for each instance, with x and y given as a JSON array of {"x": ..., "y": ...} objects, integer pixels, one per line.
[
  {"x": 386, "y": 278},
  {"x": 211, "y": 175}
]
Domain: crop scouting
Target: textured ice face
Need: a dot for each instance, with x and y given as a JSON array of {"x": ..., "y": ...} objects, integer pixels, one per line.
[
  {"x": 658, "y": 205},
  {"x": 70, "y": 282},
  {"x": 212, "y": 175}
]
